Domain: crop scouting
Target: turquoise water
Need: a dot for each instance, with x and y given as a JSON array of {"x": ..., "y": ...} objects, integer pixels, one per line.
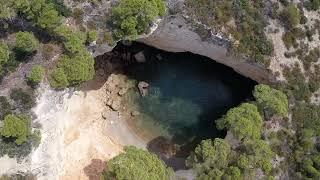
[{"x": 187, "y": 94}]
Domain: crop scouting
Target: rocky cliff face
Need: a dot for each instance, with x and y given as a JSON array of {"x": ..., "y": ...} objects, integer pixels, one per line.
[{"x": 174, "y": 34}]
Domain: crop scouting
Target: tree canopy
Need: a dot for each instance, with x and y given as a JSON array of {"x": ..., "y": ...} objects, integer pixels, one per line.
[
  {"x": 271, "y": 100},
  {"x": 36, "y": 75},
  {"x": 4, "y": 54},
  {"x": 78, "y": 68},
  {"x": 243, "y": 121},
  {"x": 133, "y": 17},
  {"x": 16, "y": 127},
  {"x": 136, "y": 164},
  {"x": 26, "y": 42}
]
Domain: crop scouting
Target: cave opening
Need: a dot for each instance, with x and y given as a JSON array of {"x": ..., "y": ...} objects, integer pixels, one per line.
[{"x": 185, "y": 93}]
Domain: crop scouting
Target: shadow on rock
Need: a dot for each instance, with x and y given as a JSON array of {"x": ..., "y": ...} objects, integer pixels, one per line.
[{"x": 95, "y": 169}]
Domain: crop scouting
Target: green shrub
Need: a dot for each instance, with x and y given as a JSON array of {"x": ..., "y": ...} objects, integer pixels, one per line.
[
  {"x": 58, "y": 79},
  {"x": 312, "y": 4},
  {"x": 36, "y": 75},
  {"x": 243, "y": 121},
  {"x": 16, "y": 127},
  {"x": 133, "y": 17},
  {"x": 74, "y": 41},
  {"x": 4, "y": 54},
  {"x": 92, "y": 36},
  {"x": 26, "y": 42},
  {"x": 78, "y": 68},
  {"x": 136, "y": 164},
  {"x": 271, "y": 101},
  {"x": 291, "y": 16}
]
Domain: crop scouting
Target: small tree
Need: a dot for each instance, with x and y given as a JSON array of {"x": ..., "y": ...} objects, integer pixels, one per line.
[
  {"x": 16, "y": 127},
  {"x": 78, "y": 68},
  {"x": 243, "y": 121},
  {"x": 270, "y": 100},
  {"x": 136, "y": 164},
  {"x": 58, "y": 79},
  {"x": 291, "y": 16},
  {"x": 4, "y": 54},
  {"x": 133, "y": 17},
  {"x": 36, "y": 75},
  {"x": 26, "y": 42}
]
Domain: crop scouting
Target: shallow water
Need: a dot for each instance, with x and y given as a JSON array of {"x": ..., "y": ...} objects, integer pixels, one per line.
[{"x": 187, "y": 94}]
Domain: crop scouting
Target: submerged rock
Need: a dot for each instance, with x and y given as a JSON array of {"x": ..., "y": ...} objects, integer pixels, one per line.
[
  {"x": 140, "y": 57},
  {"x": 143, "y": 88},
  {"x": 122, "y": 91},
  {"x": 135, "y": 113}
]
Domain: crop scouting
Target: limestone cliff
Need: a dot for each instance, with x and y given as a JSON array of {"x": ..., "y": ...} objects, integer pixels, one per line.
[{"x": 174, "y": 34}]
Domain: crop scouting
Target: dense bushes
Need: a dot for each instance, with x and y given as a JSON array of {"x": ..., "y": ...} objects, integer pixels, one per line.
[
  {"x": 217, "y": 160},
  {"x": 36, "y": 75},
  {"x": 136, "y": 164},
  {"x": 16, "y": 127},
  {"x": 4, "y": 54},
  {"x": 133, "y": 17},
  {"x": 291, "y": 16},
  {"x": 271, "y": 101},
  {"x": 248, "y": 32},
  {"x": 243, "y": 121},
  {"x": 26, "y": 42}
]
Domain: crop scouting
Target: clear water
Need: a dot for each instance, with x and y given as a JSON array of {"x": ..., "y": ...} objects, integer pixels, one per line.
[{"x": 187, "y": 94}]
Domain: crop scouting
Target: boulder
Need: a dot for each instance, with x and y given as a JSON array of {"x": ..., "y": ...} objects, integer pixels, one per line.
[
  {"x": 104, "y": 115},
  {"x": 143, "y": 88},
  {"x": 135, "y": 113},
  {"x": 140, "y": 57},
  {"x": 122, "y": 91},
  {"x": 116, "y": 104}
]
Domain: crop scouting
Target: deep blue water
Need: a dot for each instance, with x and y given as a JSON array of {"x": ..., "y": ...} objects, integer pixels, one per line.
[{"x": 187, "y": 94}]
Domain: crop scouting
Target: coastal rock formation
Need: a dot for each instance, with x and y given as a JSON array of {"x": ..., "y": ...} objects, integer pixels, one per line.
[
  {"x": 174, "y": 34},
  {"x": 143, "y": 88}
]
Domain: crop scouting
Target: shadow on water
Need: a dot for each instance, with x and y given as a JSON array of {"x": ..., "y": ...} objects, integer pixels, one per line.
[{"x": 187, "y": 93}]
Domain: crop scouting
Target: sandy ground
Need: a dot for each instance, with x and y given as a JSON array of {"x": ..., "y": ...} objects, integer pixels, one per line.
[{"x": 73, "y": 134}]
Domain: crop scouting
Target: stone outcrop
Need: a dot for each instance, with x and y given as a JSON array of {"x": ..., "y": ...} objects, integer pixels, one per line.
[
  {"x": 143, "y": 88},
  {"x": 174, "y": 34}
]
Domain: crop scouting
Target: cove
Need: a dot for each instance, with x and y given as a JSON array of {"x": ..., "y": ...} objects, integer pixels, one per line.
[{"x": 187, "y": 93}]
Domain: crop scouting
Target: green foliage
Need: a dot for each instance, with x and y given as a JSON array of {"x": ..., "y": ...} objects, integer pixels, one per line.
[
  {"x": 210, "y": 153},
  {"x": 291, "y": 16},
  {"x": 271, "y": 101},
  {"x": 133, "y": 17},
  {"x": 260, "y": 153},
  {"x": 248, "y": 32},
  {"x": 6, "y": 9},
  {"x": 78, "y": 68},
  {"x": 26, "y": 42},
  {"x": 217, "y": 160},
  {"x": 41, "y": 12},
  {"x": 49, "y": 18},
  {"x": 4, "y": 54},
  {"x": 92, "y": 36},
  {"x": 136, "y": 164},
  {"x": 243, "y": 121},
  {"x": 312, "y": 4},
  {"x": 58, "y": 78},
  {"x": 74, "y": 41},
  {"x": 16, "y": 127},
  {"x": 307, "y": 116},
  {"x": 36, "y": 75}
]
